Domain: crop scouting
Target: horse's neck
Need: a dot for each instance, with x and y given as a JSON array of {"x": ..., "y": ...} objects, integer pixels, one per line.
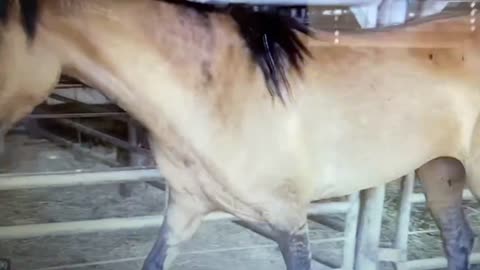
[
  {"x": 152, "y": 59},
  {"x": 29, "y": 73}
]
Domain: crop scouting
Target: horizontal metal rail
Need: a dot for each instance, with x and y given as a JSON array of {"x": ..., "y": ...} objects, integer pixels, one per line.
[
  {"x": 193, "y": 252},
  {"x": 420, "y": 197},
  {"x": 75, "y": 147},
  {"x": 78, "y": 178},
  {"x": 327, "y": 208},
  {"x": 82, "y": 178},
  {"x": 298, "y": 2},
  {"x": 85, "y": 106},
  {"x": 100, "y": 135},
  {"x": 109, "y": 224},
  {"x": 436, "y": 263},
  {"x": 75, "y": 115},
  {"x": 61, "y": 98},
  {"x": 347, "y": 3},
  {"x": 89, "y": 226}
]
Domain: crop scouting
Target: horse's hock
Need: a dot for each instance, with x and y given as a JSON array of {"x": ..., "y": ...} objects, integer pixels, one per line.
[{"x": 79, "y": 189}]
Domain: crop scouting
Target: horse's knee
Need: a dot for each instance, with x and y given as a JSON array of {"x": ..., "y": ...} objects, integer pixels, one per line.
[{"x": 182, "y": 218}]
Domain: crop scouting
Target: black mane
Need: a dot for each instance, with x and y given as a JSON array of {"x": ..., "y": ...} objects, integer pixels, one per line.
[
  {"x": 270, "y": 36},
  {"x": 29, "y": 14},
  {"x": 273, "y": 43}
]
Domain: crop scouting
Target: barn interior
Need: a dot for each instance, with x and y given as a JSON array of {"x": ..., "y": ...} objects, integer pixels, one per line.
[{"x": 79, "y": 188}]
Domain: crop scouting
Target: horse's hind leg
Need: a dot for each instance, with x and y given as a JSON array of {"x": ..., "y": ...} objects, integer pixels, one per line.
[
  {"x": 182, "y": 219},
  {"x": 443, "y": 180}
]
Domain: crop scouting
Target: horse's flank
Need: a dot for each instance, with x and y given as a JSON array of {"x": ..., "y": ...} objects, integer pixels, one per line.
[{"x": 359, "y": 117}]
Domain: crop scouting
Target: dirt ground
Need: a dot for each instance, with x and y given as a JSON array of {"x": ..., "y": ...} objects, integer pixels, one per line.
[{"x": 217, "y": 245}]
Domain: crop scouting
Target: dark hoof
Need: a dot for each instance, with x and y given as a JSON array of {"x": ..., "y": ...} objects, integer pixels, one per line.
[
  {"x": 462, "y": 249},
  {"x": 152, "y": 265}
]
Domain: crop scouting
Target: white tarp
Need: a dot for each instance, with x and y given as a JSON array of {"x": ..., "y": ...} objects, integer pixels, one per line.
[
  {"x": 393, "y": 12},
  {"x": 369, "y": 13}
]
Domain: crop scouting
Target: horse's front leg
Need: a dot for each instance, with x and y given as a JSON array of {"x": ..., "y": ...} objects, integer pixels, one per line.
[
  {"x": 443, "y": 181},
  {"x": 287, "y": 226},
  {"x": 294, "y": 244},
  {"x": 295, "y": 248},
  {"x": 182, "y": 219}
]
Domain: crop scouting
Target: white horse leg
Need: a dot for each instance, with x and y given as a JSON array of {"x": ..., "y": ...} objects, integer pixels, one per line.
[
  {"x": 182, "y": 219},
  {"x": 443, "y": 181}
]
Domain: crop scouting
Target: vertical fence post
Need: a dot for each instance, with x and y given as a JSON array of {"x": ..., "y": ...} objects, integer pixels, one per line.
[
  {"x": 369, "y": 228},
  {"x": 2, "y": 150},
  {"x": 403, "y": 222},
  {"x": 350, "y": 232},
  {"x": 134, "y": 158},
  {"x": 2, "y": 142}
]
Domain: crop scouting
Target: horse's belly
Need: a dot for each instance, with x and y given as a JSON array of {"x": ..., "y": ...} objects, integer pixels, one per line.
[
  {"x": 357, "y": 144},
  {"x": 341, "y": 171},
  {"x": 339, "y": 177}
]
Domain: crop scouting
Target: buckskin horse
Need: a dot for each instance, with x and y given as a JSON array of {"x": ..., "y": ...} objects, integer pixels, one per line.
[{"x": 247, "y": 119}]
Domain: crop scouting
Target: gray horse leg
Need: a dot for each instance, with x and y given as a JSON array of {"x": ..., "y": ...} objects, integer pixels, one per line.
[
  {"x": 294, "y": 245},
  {"x": 443, "y": 181},
  {"x": 182, "y": 219},
  {"x": 295, "y": 248},
  {"x": 158, "y": 254}
]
